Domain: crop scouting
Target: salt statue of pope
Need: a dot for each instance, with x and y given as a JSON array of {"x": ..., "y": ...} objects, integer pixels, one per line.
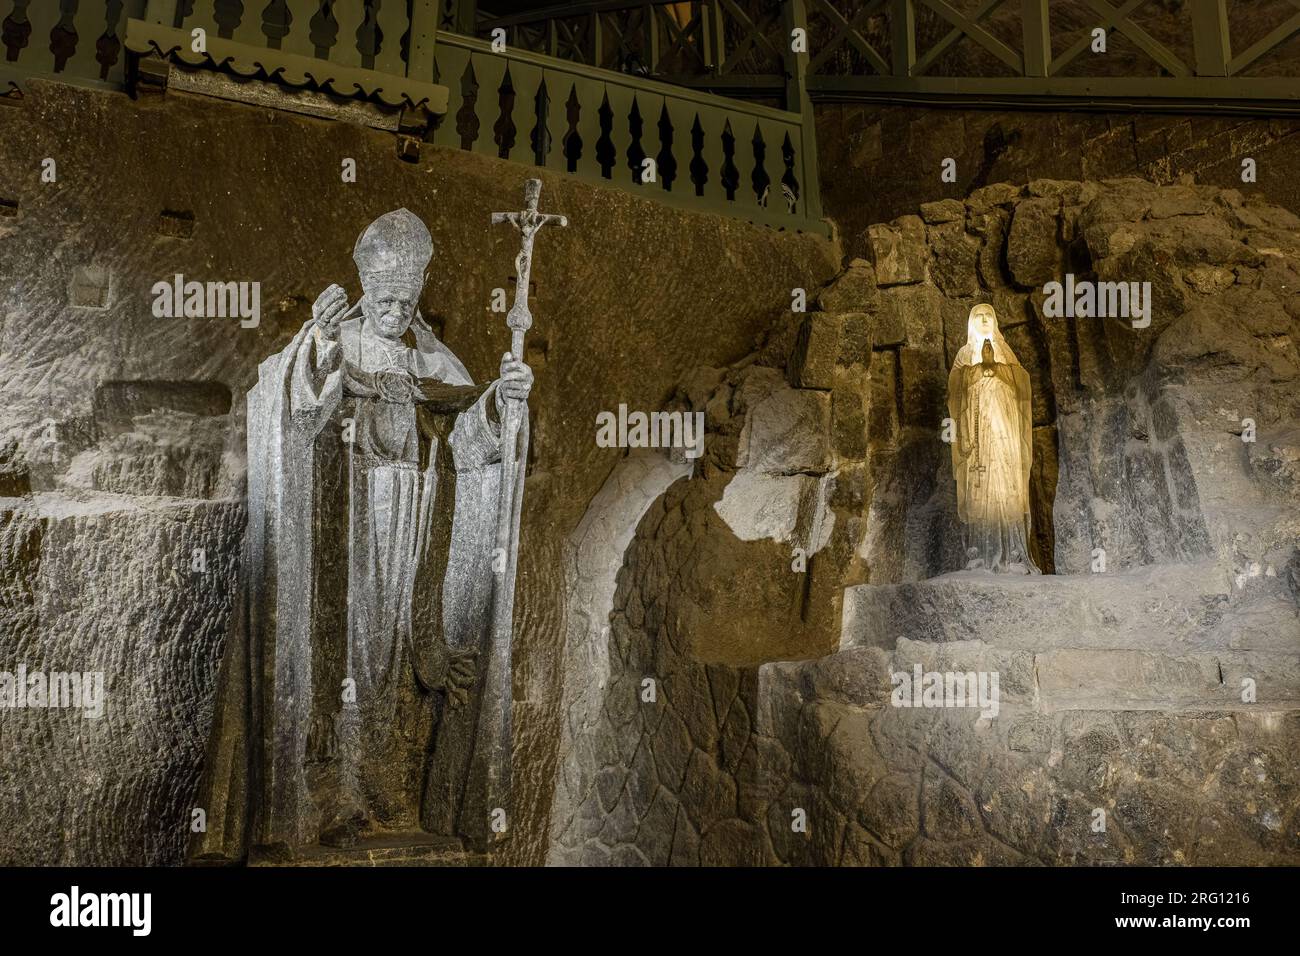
[
  {"x": 349, "y": 694},
  {"x": 989, "y": 401}
]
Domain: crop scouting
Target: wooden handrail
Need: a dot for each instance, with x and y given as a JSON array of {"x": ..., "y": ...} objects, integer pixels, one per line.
[{"x": 561, "y": 11}]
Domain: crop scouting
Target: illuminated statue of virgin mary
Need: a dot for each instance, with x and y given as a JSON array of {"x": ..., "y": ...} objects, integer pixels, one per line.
[{"x": 989, "y": 401}]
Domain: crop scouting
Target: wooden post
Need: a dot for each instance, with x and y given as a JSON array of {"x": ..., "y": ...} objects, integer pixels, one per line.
[
  {"x": 795, "y": 16},
  {"x": 717, "y": 36},
  {"x": 424, "y": 35},
  {"x": 1210, "y": 39},
  {"x": 597, "y": 53},
  {"x": 902, "y": 36},
  {"x": 651, "y": 38},
  {"x": 1036, "y": 24}
]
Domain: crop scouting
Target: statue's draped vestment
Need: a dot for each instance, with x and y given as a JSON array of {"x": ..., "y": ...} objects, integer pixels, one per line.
[
  {"x": 992, "y": 453},
  {"x": 367, "y": 563}
]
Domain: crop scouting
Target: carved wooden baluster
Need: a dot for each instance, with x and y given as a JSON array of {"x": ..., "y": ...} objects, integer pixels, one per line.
[
  {"x": 606, "y": 153},
  {"x": 490, "y": 69},
  {"x": 350, "y": 16},
  {"x": 37, "y": 56},
  {"x": 468, "y": 126},
  {"x": 16, "y": 30},
  {"x": 805, "y": 165},
  {"x": 275, "y": 23},
  {"x": 539, "y": 138},
  {"x": 713, "y": 122},
  {"x": 526, "y": 78},
  {"x": 572, "y": 145},
  {"x": 450, "y": 64},
  {"x": 109, "y": 47},
  {"x": 790, "y": 191},
  {"x": 249, "y": 30},
  {"x": 760, "y": 182},
  {"x": 227, "y": 14},
  {"x": 588, "y": 95},
  {"x": 620, "y": 134},
  {"x": 368, "y": 35},
  {"x": 652, "y": 107},
  {"x": 730, "y": 178},
  {"x": 324, "y": 27},
  {"x": 505, "y": 132},
  {"x": 298, "y": 39},
  {"x": 636, "y": 153},
  {"x": 392, "y": 24},
  {"x": 698, "y": 166},
  {"x": 665, "y": 158},
  {"x": 63, "y": 36},
  {"x": 681, "y": 113}
]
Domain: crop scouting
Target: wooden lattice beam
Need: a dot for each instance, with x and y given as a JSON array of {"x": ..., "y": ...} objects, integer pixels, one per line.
[
  {"x": 1113, "y": 18},
  {"x": 952, "y": 36},
  {"x": 679, "y": 37},
  {"x": 847, "y": 31},
  {"x": 971, "y": 28},
  {"x": 754, "y": 34},
  {"x": 1274, "y": 38}
]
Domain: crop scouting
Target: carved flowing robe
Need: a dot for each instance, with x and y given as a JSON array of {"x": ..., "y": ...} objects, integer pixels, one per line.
[
  {"x": 993, "y": 451},
  {"x": 367, "y": 562}
]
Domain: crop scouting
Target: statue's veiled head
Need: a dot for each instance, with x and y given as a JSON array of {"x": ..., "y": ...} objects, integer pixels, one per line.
[
  {"x": 982, "y": 333},
  {"x": 981, "y": 324},
  {"x": 391, "y": 256}
]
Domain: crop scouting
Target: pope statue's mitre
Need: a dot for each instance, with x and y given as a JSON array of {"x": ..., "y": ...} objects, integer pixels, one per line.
[{"x": 394, "y": 250}]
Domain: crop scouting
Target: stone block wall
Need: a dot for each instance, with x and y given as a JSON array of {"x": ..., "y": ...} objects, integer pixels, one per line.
[{"x": 879, "y": 162}]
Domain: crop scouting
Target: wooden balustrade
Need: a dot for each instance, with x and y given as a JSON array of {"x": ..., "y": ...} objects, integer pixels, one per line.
[
  {"x": 707, "y": 153},
  {"x": 679, "y": 146}
]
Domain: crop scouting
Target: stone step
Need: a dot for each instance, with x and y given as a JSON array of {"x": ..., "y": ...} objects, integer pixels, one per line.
[
  {"x": 1173, "y": 639},
  {"x": 396, "y": 849},
  {"x": 1174, "y": 607}
]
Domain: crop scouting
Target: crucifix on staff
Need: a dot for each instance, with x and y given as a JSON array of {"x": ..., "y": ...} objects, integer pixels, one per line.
[{"x": 493, "y": 754}]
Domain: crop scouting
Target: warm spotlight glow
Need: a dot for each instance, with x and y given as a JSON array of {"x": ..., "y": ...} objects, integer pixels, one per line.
[{"x": 989, "y": 400}]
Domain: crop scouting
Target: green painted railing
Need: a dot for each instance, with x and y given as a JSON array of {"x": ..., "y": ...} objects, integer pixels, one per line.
[
  {"x": 79, "y": 42},
  {"x": 708, "y": 153},
  {"x": 680, "y": 146}
]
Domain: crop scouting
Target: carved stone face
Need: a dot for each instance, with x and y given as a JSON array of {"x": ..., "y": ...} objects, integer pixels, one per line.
[
  {"x": 389, "y": 310},
  {"x": 984, "y": 322}
]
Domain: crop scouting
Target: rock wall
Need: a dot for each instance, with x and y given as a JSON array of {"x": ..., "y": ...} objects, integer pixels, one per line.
[
  {"x": 1148, "y": 710},
  {"x": 108, "y": 411},
  {"x": 879, "y": 162},
  {"x": 108, "y": 584}
]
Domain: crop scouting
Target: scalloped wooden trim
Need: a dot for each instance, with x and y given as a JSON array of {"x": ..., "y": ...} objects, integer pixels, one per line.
[{"x": 291, "y": 69}]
